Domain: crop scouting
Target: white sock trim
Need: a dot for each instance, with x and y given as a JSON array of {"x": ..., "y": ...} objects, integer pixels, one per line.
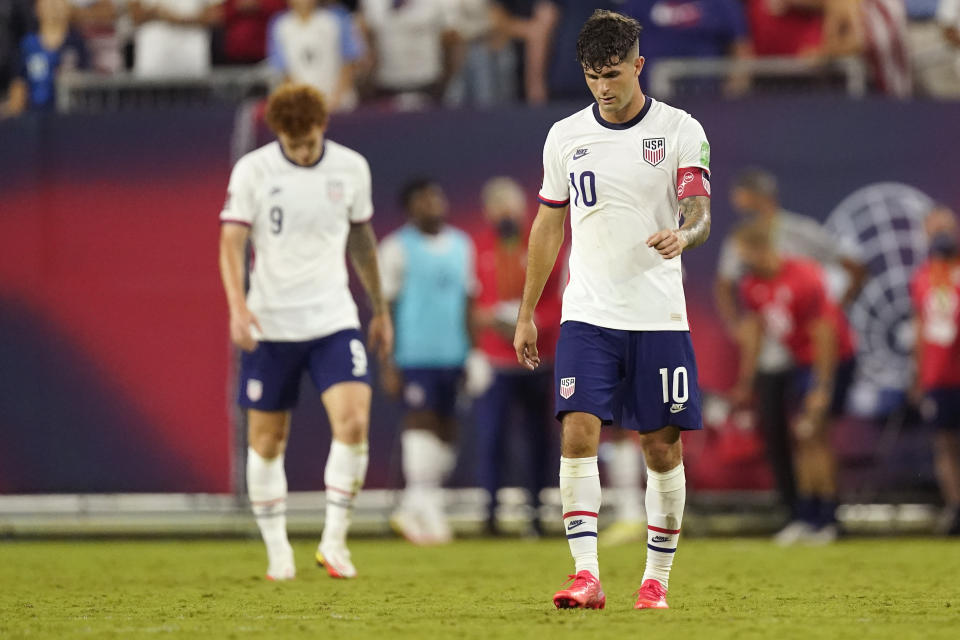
[
  {"x": 666, "y": 481},
  {"x": 579, "y": 467}
]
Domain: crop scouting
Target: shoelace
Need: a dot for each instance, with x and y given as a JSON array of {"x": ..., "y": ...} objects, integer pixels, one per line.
[
  {"x": 575, "y": 579},
  {"x": 657, "y": 591}
]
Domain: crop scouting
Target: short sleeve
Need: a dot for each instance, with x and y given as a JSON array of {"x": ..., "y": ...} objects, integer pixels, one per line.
[
  {"x": 392, "y": 262},
  {"x": 555, "y": 191},
  {"x": 806, "y": 237},
  {"x": 361, "y": 209},
  {"x": 729, "y": 266},
  {"x": 239, "y": 206},
  {"x": 693, "y": 150}
]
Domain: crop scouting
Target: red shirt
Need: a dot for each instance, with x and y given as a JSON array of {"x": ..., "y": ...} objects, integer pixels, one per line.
[
  {"x": 501, "y": 268},
  {"x": 790, "y": 302},
  {"x": 245, "y": 30},
  {"x": 791, "y": 33},
  {"x": 936, "y": 298}
]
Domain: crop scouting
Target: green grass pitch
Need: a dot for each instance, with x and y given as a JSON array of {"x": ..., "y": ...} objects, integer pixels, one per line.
[{"x": 893, "y": 588}]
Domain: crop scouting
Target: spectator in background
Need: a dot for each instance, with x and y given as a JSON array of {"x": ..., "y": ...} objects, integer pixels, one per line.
[
  {"x": 318, "y": 46},
  {"x": 488, "y": 74},
  {"x": 54, "y": 48},
  {"x": 692, "y": 29},
  {"x": 935, "y": 290},
  {"x": 417, "y": 49},
  {"x": 428, "y": 274},
  {"x": 518, "y": 399},
  {"x": 785, "y": 27},
  {"x": 172, "y": 38},
  {"x": 755, "y": 196},
  {"x": 245, "y": 29},
  {"x": 525, "y": 24},
  {"x": 786, "y": 298},
  {"x": 16, "y": 21},
  {"x": 875, "y": 30},
  {"x": 97, "y": 22}
]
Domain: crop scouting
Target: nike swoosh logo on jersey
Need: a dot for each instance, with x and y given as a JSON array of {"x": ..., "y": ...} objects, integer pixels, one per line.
[
  {"x": 579, "y": 153},
  {"x": 677, "y": 408},
  {"x": 274, "y": 191}
]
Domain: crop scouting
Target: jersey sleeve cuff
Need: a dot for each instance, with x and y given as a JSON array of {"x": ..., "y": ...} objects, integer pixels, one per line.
[
  {"x": 556, "y": 204},
  {"x": 235, "y": 221}
]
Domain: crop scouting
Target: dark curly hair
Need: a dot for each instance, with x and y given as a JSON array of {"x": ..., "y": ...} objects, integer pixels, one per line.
[{"x": 606, "y": 39}]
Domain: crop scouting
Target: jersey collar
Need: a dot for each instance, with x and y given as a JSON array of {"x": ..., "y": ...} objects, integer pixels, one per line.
[
  {"x": 323, "y": 152},
  {"x": 648, "y": 102}
]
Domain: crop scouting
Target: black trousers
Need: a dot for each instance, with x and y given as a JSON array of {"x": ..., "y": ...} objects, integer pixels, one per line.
[{"x": 773, "y": 413}]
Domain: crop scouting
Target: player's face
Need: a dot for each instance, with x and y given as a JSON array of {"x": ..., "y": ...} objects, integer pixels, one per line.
[
  {"x": 428, "y": 208},
  {"x": 303, "y": 6},
  {"x": 759, "y": 259},
  {"x": 747, "y": 202},
  {"x": 614, "y": 86},
  {"x": 304, "y": 150}
]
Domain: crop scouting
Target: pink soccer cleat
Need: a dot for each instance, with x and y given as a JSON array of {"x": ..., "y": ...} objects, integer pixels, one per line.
[
  {"x": 651, "y": 595},
  {"x": 584, "y": 593}
]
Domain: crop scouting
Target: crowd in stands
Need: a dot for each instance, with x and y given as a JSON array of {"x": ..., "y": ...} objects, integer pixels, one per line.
[{"x": 409, "y": 53}]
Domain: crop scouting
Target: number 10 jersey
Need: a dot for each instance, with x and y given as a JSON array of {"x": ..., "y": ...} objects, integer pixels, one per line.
[{"x": 623, "y": 183}]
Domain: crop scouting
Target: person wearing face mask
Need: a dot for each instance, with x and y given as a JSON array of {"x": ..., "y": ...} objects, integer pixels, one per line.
[
  {"x": 935, "y": 290},
  {"x": 513, "y": 391},
  {"x": 429, "y": 278},
  {"x": 755, "y": 196}
]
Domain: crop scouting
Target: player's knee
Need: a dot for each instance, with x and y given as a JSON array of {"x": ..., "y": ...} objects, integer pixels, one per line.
[
  {"x": 662, "y": 455},
  {"x": 268, "y": 443},
  {"x": 350, "y": 427}
]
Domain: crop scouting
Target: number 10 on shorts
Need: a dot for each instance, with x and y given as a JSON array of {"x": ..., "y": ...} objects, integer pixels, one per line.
[{"x": 680, "y": 387}]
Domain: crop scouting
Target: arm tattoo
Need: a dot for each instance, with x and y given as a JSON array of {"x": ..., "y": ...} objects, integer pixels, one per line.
[
  {"x": 696, "y": 220},
  {"x": 362, "y": 249}
]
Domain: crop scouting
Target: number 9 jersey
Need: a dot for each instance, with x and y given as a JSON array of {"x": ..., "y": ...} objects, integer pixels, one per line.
[
  {"x": 623, "y": 183},
  {"x": 299, "y": 219}
]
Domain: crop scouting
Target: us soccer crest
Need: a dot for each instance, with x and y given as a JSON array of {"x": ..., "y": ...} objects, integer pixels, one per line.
[
  {"x": 335, "y": 190},
  {"x": 567, "y": 387},
  {"x": 654, "y": 150}
]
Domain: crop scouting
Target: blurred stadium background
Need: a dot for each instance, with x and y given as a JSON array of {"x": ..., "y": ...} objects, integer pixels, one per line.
[{"x": 116, "y": 372}]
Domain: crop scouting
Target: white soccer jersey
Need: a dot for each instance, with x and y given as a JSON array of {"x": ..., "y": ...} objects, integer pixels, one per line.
[
  {"x": 299, "y": 218},
  {"x": 621, "y": 182}
]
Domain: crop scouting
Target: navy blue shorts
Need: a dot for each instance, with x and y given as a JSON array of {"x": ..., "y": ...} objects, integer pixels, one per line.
[
  {"x": 432, "y": 389},
  {"x": 270, "y": 375},
  {"x": 941, "y": 408},
  {"x": 641, "y": 380},
  {"x": 842, "y": 382}
]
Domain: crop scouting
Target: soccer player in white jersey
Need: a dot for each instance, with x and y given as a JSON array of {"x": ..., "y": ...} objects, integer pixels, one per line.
[
  {"x": 634, "y": 173},
  {"x": 302, "y": 201}
]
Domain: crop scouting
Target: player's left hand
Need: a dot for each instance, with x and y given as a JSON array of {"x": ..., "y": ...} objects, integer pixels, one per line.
[
  {"x": 669, "y": 243},
  {"x": 380, "y": 335}
]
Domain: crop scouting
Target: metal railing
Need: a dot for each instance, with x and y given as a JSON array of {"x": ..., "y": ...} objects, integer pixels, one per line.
[
  {"x": 847, "y": 74},
  {"x": 95, "y": 92}
]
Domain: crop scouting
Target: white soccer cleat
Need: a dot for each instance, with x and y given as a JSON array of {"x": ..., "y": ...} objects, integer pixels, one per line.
[
  {"x": 437, "y": 528},
  {"x": 794, "y": 533},
  {"x": 281, "y": 565},
  {"x": 410, "y": 525},
  {"x": 336, "y": 560},
  {"x": 825, "y": 535}
]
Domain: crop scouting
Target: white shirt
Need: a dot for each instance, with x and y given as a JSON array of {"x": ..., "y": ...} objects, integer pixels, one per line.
[
  {"x": 299, "y": 219},
  {"x": 619, "y": 195},
  {"x": 409, "y": 41},
  {"x": 164, "y": 50},
  {"x": 309, "y": 51},
  {"x": 948, "y": 13}
]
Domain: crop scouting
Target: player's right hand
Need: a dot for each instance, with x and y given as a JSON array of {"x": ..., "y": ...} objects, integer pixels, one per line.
[
  {"x": 241, "y": 322},
  {"x": 525, "y": 344}
]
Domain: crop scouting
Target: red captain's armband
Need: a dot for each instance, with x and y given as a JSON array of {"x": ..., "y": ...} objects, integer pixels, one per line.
[{"x": 693, "y": 181}]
